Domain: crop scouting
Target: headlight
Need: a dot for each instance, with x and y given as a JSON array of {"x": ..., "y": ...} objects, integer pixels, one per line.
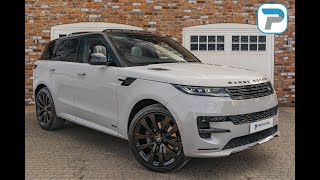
[{"x": 203, "y": 91}]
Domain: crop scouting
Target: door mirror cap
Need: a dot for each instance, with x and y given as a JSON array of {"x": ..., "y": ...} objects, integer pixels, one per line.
[{"x": 98, "y": 59}]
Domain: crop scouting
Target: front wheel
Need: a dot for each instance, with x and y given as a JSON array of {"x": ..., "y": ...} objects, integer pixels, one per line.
[{"x": 155, "y": 140}]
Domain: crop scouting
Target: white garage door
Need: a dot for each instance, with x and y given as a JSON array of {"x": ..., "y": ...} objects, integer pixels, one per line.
[
  {"x": 66, "y": 29},
  {"x": 238, "y": 45}
]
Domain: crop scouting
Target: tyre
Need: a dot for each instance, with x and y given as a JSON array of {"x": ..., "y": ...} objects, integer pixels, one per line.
[
  {"x": 155, "y": 140},
  {"x": 45, "y": 110}
]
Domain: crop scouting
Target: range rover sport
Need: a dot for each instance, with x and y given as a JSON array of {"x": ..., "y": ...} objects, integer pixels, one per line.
[{"x": 151, "y": 91}]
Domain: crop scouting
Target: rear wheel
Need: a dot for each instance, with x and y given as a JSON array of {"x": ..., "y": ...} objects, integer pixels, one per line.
[
  {"x": 45, "y": 111},
  {"x": 155, "y": 139}
]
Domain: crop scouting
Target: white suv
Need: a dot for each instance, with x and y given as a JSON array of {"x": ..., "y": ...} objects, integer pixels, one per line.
[{"x": 150, "y": 90}]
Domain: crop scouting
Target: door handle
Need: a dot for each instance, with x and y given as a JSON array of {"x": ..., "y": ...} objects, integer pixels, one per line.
[
  {"x": 81, "y": 74},
  {"x": 52, "y": 69}
]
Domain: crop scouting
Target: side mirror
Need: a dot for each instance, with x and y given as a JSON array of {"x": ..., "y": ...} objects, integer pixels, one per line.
[{"x": 98, "y": 59}]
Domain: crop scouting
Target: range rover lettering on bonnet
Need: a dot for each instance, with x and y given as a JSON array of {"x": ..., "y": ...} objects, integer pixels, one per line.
[{"x": 248, "y": 82}]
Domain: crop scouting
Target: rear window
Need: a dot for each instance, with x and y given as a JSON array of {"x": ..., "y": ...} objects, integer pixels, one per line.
[
  {"x": 66, "y": 50},
  {"x": 48, "y": 51}
]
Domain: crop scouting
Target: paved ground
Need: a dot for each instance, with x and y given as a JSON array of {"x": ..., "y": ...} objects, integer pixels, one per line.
[{"x": 77, "y": 152}]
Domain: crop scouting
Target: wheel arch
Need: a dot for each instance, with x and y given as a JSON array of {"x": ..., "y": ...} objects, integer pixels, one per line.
[
  {"x": 39, "y": 86},
  {"x": 138, "y": 106}
]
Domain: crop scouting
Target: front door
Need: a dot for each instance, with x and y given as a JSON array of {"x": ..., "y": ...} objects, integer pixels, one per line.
[{"x": 95, "y": 96}]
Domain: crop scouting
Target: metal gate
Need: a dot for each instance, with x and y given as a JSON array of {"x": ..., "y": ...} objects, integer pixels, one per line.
[{"x": 237, "y": 45}]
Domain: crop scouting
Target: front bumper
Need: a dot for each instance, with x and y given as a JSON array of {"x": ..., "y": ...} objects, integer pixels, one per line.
[
  {"x": 186, "y": 108},
  {"x": 227, "y": 152}
]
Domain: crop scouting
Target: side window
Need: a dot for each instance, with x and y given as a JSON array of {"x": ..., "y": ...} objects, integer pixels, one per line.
[
  {"x": 48, "y": 51},
  {"x": 95, "y": 44},
  {"x": 66, "y": 50}
]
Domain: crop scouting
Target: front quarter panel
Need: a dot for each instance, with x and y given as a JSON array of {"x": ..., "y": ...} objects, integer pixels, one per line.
[{"x": 140, "y": 89}]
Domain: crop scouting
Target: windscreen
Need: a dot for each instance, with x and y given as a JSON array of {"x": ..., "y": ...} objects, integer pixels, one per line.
[{"x": 144, "y": 49}]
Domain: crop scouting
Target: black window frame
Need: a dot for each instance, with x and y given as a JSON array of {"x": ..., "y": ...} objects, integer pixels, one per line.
[{"x": 118, "y": 61}]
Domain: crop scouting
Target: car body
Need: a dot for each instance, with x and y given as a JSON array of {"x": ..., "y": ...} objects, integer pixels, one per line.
[{"x": 218, "y": 109}]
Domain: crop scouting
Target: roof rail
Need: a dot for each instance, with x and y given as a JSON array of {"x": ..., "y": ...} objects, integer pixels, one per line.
[
  {"x": 75, "y": 33},
  {"x": 132, "y": 30}
]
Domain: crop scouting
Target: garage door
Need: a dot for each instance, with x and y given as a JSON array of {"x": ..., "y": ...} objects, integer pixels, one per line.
[
  {"x": 238, "y": 45},
  {"x": 66, "y": 29}
]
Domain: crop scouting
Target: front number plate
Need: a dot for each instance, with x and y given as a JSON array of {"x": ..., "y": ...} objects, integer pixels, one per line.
[{"x": 261, "y": 125}]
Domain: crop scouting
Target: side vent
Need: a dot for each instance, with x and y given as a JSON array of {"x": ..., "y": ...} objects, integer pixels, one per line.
[
  {"x": 159, "y": 69},
  {"x": 127, "y": 81}
]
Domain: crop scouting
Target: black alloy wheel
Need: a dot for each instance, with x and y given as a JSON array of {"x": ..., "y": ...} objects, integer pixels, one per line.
[
  {"x": 156, "y": 140},
  {"x": 45, "y": 111}
]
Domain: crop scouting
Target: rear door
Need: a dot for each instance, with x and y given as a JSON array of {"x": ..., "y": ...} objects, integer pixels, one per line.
[{"x": 63, "y": 74}]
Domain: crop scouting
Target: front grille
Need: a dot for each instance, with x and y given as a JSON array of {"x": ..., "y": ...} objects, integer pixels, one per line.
[
  {"x": 250, "y": 138},
  {"x": 252, "y": 117},
  {"x": 250, "y": 91}
]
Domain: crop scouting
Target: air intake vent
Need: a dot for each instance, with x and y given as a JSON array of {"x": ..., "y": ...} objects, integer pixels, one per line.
[
  {"x": 253, "y": 117},
  {"x": 251, "y": 138},
  {"x": 241, "y": 118},
  {"x": 203, "y": 125}
]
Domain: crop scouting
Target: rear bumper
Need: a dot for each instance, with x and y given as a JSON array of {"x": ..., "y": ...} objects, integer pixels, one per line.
[{"x": 186, "y": 108}]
